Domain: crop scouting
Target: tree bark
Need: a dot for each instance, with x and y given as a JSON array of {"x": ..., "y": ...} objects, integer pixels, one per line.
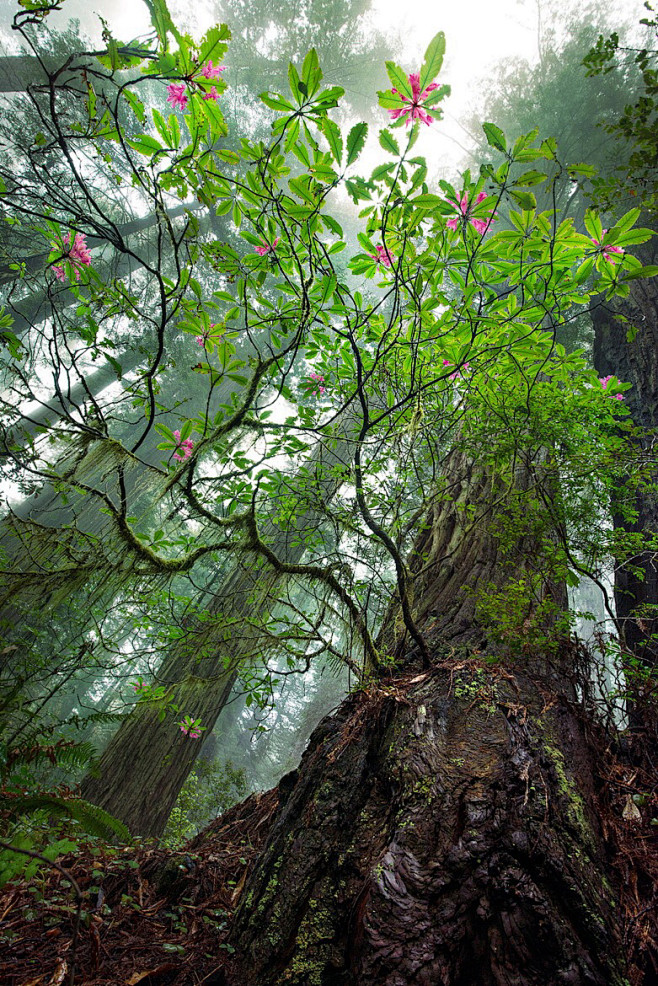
[
  {"x": 442, "y": 829},
  {"x": 443, "y": 826},
  {"x": 636, "y": 579}
]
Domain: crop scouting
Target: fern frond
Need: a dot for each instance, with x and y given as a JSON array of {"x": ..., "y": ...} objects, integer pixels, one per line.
[
  {"x": 63, "y": 753},
  {"x": 94, "y": 820}
]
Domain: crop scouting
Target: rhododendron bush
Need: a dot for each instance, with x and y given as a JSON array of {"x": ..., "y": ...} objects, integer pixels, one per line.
[{"x": 436, "y": 329}]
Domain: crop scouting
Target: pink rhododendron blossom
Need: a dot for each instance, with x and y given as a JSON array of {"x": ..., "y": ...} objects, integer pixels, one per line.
[
  {"x": 210, "y": 71},
  {"x": 78, "y": 255},
  {"x": 481, "y": 225},
  {"x": 414, "y": 109},
  {"x": 456, "y": 374},
  {"x": 176, "y": 95},
  {"x": 319, "y": 383},
  {"x": 201, "y": 340},
  {"x": 190, "y": 727},
  {"x": 608, "y": 249},
  {"x": 185, "y": 447},
  {"x": 140, "y": 685},
  {"x": 211, "y": 94},
  {"x": 266, "y": 248},
  {"x": 383, "y": 256},
  {"x": 604, "y": 383}
]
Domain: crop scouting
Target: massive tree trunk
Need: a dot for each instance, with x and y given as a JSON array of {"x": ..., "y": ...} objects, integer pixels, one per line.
[
  {"x": 147, "y": 762},
  {"x": 442, "y": 829}
]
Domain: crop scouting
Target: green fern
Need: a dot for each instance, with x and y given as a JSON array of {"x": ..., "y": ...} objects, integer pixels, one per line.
[{"x": 94, "y": 820}]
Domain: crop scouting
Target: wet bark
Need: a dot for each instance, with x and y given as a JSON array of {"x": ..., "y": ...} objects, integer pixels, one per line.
[{"x": 442, "y": 829}]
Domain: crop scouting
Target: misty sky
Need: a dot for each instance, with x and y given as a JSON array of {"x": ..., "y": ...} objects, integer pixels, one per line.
[{"x": 479, "y": 33}]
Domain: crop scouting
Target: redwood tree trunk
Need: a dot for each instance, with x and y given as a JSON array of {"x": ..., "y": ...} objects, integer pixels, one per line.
[
  {"x": 147, "y": 762},
  {"x": 636, "y": 579},
  {"x": 442, "y": 831}
]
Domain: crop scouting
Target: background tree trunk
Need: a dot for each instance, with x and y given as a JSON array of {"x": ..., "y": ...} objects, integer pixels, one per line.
[
  {"x": 148, "y": 760},
  {"x": 636, "y": 579}
]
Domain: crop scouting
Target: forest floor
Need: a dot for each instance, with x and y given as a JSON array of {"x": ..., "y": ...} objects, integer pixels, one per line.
[
  {"x": 158, "y": 917},
  {"x": 148, "y": 916}
]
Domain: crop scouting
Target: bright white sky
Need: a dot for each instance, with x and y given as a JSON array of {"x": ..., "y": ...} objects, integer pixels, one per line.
[{"x": 479, "y": 33}]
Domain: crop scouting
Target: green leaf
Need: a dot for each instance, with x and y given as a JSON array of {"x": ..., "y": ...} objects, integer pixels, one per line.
[
  {"x": 433, "y": 59},
  {"x": 582, "y": 170},
  {"x": 276, "y": 102},
  {"x": 145, "y": 145},
  {"x": 526, "y": 200},
  {"x": 311, "y": 72},
  {"x": 628, "y": 220},
  {"x": 495, "y": 136},
  {"x": 334, "y": 137},
  {"x": 91, "y": 101},
  {"x": 399, "y": 79},
  {"x": 293, "y": 80},
  {"x": 328, "y": 287},
  {"x": 436, "y": 96},
  {"x": 355, "y": 141},
  {"x": 651, "y": 270},
  {"x": 161, "y": 126},
  {"x": 531, "y": 178},
  {"x": 426, "y": 201},
  {"x": 388, "y": 142}
]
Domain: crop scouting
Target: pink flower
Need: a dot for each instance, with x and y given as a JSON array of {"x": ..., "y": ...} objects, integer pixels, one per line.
[
  {"x": 77, "y": 254},
  {"x": 139, "y": 685},
  {"x": 481, "y": 225},
  {"x": 211, "y": 94},
  {"x": 201, "y": 340},
  {"x": 190, "y": 727},
  {"x": 383, "y": 256},
  {"x": 456, "y": 374},
  {"x": 608, "y": 249},
  {"x": 414, "y": 109},
  {"x": 266, "y": 248},
  {"x": 184, "y": 446},
  {"x": 176, "y": 95},
  {"x": 604, "y": 383},
  {"x": 319, "y": 383},
  {"x": 212, "y": 72}
]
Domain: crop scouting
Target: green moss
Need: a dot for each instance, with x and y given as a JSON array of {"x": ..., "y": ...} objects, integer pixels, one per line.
[
  {"x": 575, "y": 804},
  {"x": 312, "y": 946},
  {"x": 424, "y": 787},
  {"x": 271, "y": 888}
]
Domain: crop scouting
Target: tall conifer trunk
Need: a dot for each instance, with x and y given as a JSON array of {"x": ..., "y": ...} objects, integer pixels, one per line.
[
  {"x": 147, "y": 762},
  {"x": 635, "y": 360},
  {"x": 442, "y": 829}
]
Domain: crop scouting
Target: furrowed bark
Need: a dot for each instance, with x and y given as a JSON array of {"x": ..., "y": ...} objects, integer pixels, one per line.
[{"x": 442, "y": 829}]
